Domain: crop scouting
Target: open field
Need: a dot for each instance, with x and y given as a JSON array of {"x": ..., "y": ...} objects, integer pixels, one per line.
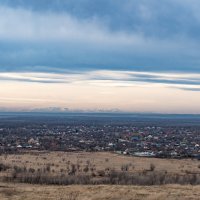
[
  {"x": 101, "y": 192},
  {"x": 60, "y": 161},
  {"x": 86, "y": 168}
]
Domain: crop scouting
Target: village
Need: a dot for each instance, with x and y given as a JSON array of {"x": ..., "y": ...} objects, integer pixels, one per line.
[{"x": 125, "y": 138}]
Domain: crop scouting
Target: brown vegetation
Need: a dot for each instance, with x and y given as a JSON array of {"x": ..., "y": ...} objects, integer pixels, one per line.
[
  {"x": 83, "y": 168},
  {"x": 100, "y": 192},
  {"x": 69, "y": 176}
]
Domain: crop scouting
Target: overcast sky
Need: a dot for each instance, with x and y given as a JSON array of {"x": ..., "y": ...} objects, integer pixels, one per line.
[{"x": 128, "y": 55}]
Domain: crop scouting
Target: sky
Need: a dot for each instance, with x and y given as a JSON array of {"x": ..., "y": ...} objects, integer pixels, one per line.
[{"x": 100, "y": 55}]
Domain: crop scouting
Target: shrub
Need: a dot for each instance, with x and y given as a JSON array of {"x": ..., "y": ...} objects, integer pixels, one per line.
[
  {"x": 152, "y": 167},
  {"x": 3, "y": 167}
]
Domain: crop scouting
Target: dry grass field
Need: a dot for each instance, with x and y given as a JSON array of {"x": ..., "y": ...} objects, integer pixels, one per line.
[
  {"x": 58, "y": 161},
  {"x": 35, "y": 192}
]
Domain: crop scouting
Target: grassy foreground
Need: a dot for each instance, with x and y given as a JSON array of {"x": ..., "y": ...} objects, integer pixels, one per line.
[{"x": 101, "y": 192}]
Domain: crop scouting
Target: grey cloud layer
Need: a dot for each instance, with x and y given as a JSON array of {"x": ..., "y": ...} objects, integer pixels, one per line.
[
  {"x": 112, "y": 78},
  {"x": 144, "y": 35},
  {"x": 150, "y": 17}
]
